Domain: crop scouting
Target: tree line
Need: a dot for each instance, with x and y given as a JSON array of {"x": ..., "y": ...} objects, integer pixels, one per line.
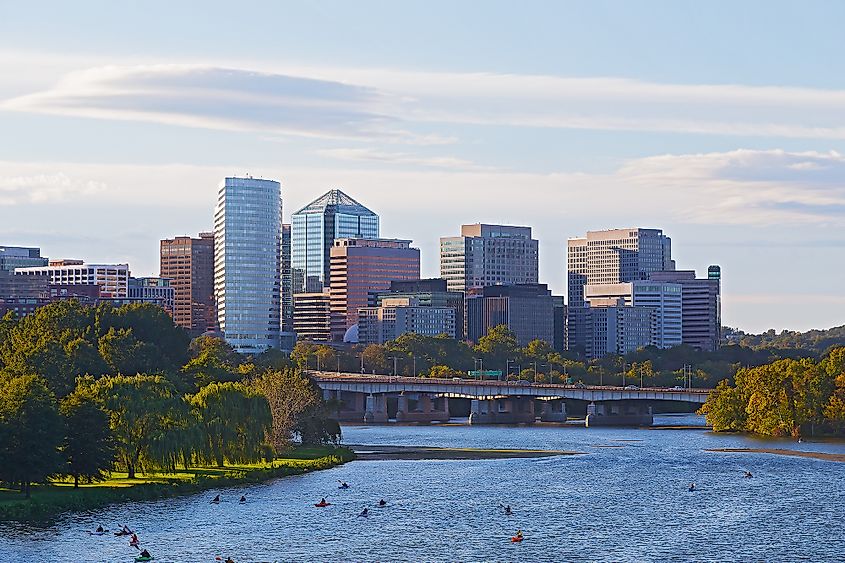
[
  {"x": 787, "y": 397},
  {"x": 818, "y": 341},
  {"x": 85, "y": 391},
  {"x": 442, "y": 356}
]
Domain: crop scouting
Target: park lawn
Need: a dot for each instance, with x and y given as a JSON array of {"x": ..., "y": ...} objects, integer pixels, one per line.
[{"x": 60, "y": 496}]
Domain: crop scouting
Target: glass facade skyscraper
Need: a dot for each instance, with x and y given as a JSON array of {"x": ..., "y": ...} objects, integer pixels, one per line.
[
  {"x": 314, "y": 229},
  {"x": 247, "y": 262}
]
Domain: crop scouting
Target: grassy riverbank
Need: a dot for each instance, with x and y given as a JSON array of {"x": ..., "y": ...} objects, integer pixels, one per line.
[{"x": 60, "y": 496}]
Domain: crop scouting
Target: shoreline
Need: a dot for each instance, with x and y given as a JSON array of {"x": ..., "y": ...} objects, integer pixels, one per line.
[
  {"x": 417, "y": 453},
  {"x": 779, "y": 451},
  {"x": 50, "y": 500}
]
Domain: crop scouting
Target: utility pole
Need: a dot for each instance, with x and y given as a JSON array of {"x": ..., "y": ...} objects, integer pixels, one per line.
[
  {"x": 394, "y": 366},
  {"x": 415, "y": 364},
  {"x": 362, "y": 361}
]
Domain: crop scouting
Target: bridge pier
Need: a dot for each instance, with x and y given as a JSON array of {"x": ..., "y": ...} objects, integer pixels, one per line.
[
  {"x": 422, "y": 407},
  {"x": 553, "y": 411},
  {"x": 506, "y": 410},
  {"x": 376, "y": 408},
  {"x": 619, "y": 413}
]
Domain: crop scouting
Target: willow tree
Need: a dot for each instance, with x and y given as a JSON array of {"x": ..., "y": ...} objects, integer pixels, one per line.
[
  {"x": 143, "y": 411},
  {"x": 234, "y": 420}
]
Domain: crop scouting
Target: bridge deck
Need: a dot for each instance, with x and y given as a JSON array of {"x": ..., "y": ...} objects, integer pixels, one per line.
[{"x": 459, "y": 387}]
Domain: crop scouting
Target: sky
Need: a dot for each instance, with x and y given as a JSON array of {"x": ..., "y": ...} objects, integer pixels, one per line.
[{"x": 722, "y": 123}]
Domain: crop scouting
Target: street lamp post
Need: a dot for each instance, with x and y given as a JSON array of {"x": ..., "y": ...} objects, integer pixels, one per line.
[
  {"x": 362, "y": 361},
  {"x": 394, "y": 366},
  {"x": 415, "y": 364},
  {"x": 478, "y": 362}
]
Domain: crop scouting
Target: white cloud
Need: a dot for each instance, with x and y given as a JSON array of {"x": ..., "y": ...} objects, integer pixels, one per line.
[
  {"x": 402, "y": 158},
  {"x": 46, "y": 188},
  {"x": 389, "y": 105}
]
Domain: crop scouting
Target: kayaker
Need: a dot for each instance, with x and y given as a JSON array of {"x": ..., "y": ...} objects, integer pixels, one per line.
[
  {"x": 100, "y": 529},
  {"x": 508, "y": 510},
  {"x": 748, "y": 474},
  {"x": 344, "y": 485},
  {"x": 519, "y": 534},
  {"x": 134, "y": 539},
  {"x": 145, "y": 553},
  {"x": 229, "y": 560},
  {"x": 216, "y": 500},
  {"x": 243, "y": 499},
  {"x": 365, "y": 512},
  {"x": 691, "y": 487},
  {"x": 323, "y": 500},
  {"x": 382, "y": 502}
]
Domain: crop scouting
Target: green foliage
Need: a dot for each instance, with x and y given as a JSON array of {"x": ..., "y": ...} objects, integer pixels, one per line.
[
  {"x": 30, "y": 432},
  {"x": 212, "y": 361},
  {"x": 234, "y": 419},
  {"x": 65, "y": 340},
  {"x": 142, "y": 409},
  {"x": 497, "y": 347},
  {"x": 816, "y": 341},
  {"x": 785, "y": 397},
  {"x": 88, "y": 447}
]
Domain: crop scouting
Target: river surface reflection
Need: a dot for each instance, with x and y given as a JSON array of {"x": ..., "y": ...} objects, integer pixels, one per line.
[{"x": 626, "y": 499}]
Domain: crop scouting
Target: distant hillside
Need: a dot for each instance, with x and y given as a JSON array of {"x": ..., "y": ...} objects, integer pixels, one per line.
[{"x": 818, "y": 341}]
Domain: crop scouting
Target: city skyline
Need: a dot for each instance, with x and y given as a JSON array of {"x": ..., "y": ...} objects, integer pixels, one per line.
[{"x": 733, "y": 149}]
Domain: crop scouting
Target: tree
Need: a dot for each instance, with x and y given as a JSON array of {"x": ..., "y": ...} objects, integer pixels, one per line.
[
  {"x": 143, "y": 411},
  {"x": 497, "y": 347},
  {"x": 326, "y": 357},
  {"x": 235, "y": 420},
  {"x": 289, "y": 394},
  {"x": 88, "y": 447},
  {"x": 375, "y": 358},
  {"x": 212, "y": 360},
  {"x": 725, "y": 408},
  {"x": 30, "y": 432},
  {"x": 441, "y": 371},
  {"x": 126, "y": 354},
  {"x": 301, "y": 353}
]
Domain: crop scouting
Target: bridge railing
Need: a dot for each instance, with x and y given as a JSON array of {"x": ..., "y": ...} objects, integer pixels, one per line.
[{"x": 460, "y": 381}]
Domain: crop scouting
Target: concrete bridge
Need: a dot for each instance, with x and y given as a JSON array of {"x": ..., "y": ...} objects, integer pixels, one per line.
[{"x": 414, "y": 399}]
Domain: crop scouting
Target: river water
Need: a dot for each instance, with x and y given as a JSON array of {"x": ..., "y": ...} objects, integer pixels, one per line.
[{"x": 626, "y": 499}]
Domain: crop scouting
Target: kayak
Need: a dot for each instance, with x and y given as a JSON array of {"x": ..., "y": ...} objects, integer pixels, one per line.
[
  {"x": 322, "y": 504},
  {"x": 517, "y": 539},
  {"x": 139, "y": 559},
  {"x": 134, "y": 543},
  {"x": 104, "y": 532},
  {"x": 122, "y": 533}
]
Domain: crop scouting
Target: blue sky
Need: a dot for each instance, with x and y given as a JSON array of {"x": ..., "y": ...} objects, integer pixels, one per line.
[{"x": 721, "y": 122}]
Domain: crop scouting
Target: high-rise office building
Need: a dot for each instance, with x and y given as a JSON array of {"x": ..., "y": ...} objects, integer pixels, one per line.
[
  {"x": 610, "y": 257},
  {"x": 618, "y": 329},
  {"x": 189, "y": 265},
  {"x": 426, "y": 293},
  {"x": 486, "y": 255},
  {"x": 360, "y": 266},
  {"x": 287, "y": 337},
  {"x": 701, "y": 304},
  {"x": 12, "y": 257},
  {"x": 528, "y": 310},
  {"x": 314, "y": 229},
  {"x": 312, "y": 316},
  {"x": 112, "y": 279},
  {"x": 663, "y": 298},
  {"x": 396, "y": 316},
  {"x": 247, "y": 262}
]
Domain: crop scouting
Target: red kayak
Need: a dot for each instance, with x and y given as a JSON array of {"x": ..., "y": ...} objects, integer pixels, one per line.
[
  {"x": 322, "y": 504},
  {"x": 517, "y": 539}
]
